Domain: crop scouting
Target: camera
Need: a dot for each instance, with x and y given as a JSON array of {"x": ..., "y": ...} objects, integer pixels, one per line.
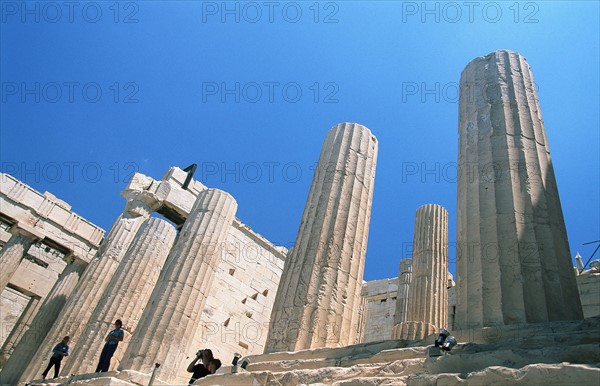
[
  {"x": 200, "y": 353},
  {"x": 439, "y": 342}
]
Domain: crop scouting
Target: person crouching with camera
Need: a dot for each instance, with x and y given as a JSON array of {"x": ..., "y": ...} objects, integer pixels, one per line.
[{"x": 209, "y": 365}]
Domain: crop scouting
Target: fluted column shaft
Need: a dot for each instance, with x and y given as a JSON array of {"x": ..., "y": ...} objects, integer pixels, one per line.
[
  {"x": 126, "y": 295},
  {"x": 173, "y": 314},
  {"x": 90, "y": 289},
  {"x": 318, "y": 300},
  {"x": 513, "y": 257},
  {"x": 15, "y": 367},
  {"x": 427, "y": 310},
  {"x": 404, "y": 279},
  {"x": 14, "y": 251}
]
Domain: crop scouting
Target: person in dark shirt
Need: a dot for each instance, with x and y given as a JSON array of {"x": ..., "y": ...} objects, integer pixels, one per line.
[
  {"x": 112, "y": 341},
  {"x": 60, "y": 350},
  {"x": 208, "y": 366}
]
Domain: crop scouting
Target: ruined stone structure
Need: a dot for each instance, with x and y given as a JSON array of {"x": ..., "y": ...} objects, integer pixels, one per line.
[
  {"x": 22, "y": 238},
  {"x": 588, "y": 283},
  {"x": 127, "y": 292},
  {"x": 380, "y": 301},
  {"x": 168, "y": 325},
  {"x": 404, "y": 279},
  {"x": 121, "y": 278},
  {"x": 318, "y": 299},
  {"x": 427, "y": 309},
  {"x": 216, "y": 283},
  {"x": 90, "y": 291},
  {"x": 44, "y": 257},
  {"x": 514, "y": 263}
]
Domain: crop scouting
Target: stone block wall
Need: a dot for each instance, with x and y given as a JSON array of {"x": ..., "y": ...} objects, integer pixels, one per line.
[
  {"x": 39, "y": 270},
  {"x": 238, "y": 309},
  {"x": 59, "y": 236},
  {"x": 12, "y": 303},
  {"x": 380, "y": 299},
  {"x": 380, "y": 304},
  {"x": 588, "y": 284}
]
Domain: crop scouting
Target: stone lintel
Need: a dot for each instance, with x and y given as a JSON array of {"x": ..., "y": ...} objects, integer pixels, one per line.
[
  {"x": 31, "y": 233},
  {"x": 177, "y": 176},
  {"x": 25, "y": 206}
]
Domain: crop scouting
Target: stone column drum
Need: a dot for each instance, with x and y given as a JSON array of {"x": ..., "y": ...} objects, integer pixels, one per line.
[
  {"x": 513, "y": 259},
  {"x": 173, "y": 314},
  {"x": 318, "y": 300},
  {"x": 427, "y": 310},
  {"x": 404, "y": 279},
  {"x": 11, "y": 255},
  {"x": 90, "y": 290},
  {"x": 14, "y": 369},
  {"x": 126, "y": 295}
]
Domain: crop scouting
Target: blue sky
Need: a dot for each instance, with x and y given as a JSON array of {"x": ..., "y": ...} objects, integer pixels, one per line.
[{"x": 92, "y": 91}]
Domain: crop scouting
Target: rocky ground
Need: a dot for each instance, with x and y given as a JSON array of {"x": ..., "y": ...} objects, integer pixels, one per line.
[{"x": 558, "y": 353}]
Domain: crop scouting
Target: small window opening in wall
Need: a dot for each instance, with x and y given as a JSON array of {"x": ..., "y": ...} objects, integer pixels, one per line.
[
  {"x": 394, "y": 298},
  {"x": 226, "y": 323},
  {"x": 231, "y": 271},
  {"x": 244, "y": 300},
  {"x": 248, "y": 314},
  {"x": 383, "y": 300},
  {"x": 253, "y": 297},
  {"x": 244, "y": 345},
  {"x": 265, "y": 292}
]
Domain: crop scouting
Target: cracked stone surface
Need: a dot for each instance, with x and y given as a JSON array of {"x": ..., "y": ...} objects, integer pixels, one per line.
[
  {"x": 513, "y": 257},
  {"x": 318, "y": 301}
]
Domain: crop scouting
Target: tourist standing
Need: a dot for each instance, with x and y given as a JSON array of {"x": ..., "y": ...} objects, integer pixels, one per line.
[
  {"x": 60, "y": 350},
  {"x": 112, "y": 341}
]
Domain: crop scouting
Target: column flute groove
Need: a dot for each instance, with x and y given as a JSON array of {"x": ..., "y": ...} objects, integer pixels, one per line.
[
  {"x": 513, "y": 212},
  {"x": 318, "y": 300},
  {"x": 173, "y": 314}
]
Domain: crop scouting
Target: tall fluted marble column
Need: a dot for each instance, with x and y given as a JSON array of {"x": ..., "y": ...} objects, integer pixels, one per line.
[
  {"x": 11, "y": 255},
  {"x": 174, "y": 311},
  {"x": 513, "y": 260},
  {"x": 318, "y": 299},
  {"x": 14, "y": 369},
  {"x": 126, "y": 295},
  {"x": 404, "y": 279},
  {"x": 427, "y": 310},
  {"x": 90, "y": 290}
]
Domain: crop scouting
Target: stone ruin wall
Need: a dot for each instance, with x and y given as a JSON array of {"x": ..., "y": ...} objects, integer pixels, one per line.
[
  {"x": 41, "y": 239},
  {"x": 234, "y": 320},
  {"x": 236, "y": 315},
  {"x": 63, "y": 239},
  {"x": 380, "y": 298},
  {"x": 588, "y": 283},
  {"x": 238, "y": 310},
  {"x": 378, "y": 326}
]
